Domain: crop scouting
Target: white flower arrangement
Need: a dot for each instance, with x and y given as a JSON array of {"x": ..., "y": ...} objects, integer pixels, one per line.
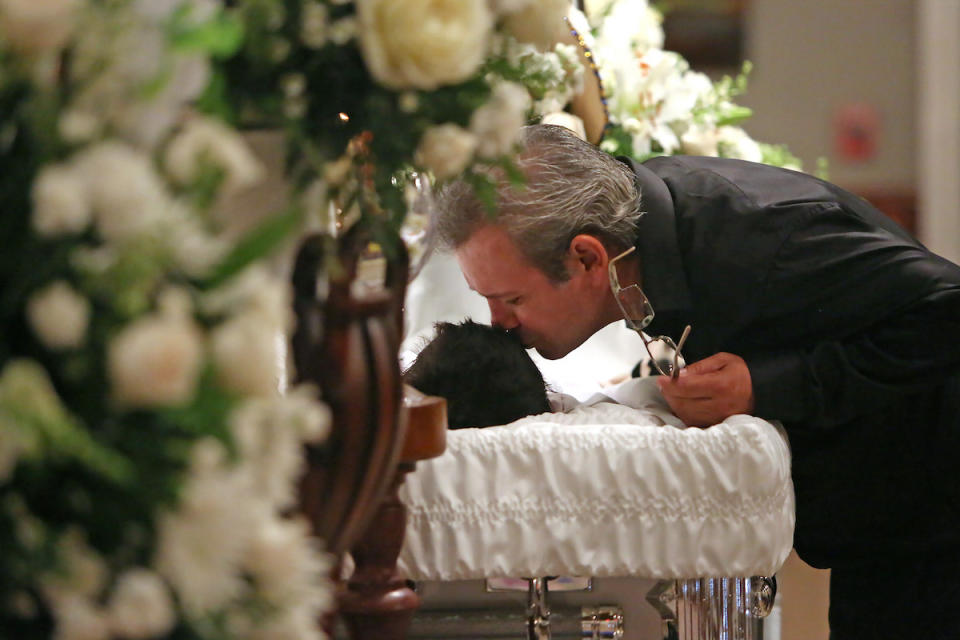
[
  {"x": 150, "y": 447},
  {"x": 147, "y": 463},
  {"x": 657, "y": 104}
]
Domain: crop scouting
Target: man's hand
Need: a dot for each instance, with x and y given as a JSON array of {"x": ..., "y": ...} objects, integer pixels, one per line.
[{"x": 710, "y": 390}]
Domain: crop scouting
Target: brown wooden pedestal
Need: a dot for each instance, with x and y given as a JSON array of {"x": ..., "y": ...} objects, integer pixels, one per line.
[{"x": 377, "y": 604}]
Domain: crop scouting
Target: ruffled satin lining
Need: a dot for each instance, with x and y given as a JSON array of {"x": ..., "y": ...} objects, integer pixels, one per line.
[{"x": 604, "y": 490}]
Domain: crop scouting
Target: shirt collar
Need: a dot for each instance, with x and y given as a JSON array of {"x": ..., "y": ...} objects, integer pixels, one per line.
[{"x": 664, "y": 278}]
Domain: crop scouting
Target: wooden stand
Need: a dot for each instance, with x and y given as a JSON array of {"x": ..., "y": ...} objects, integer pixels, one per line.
[{"x": 377, "y": 603}]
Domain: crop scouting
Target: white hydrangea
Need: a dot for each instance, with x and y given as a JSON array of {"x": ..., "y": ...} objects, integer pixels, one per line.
[
  {"x": 497, "y": 123},
  {"x": 254, "y": 289},
  {"x": 146, "y": 122},
  {"x": 141, "y": 606},
  {"x": 201, "y": 544},
  {"x": 446, "y": 150},
  {"x": 155, "y": 361},
  {"x": 285, "y": 565},
  {"x": 128, "y": 197},
  {"x": 60, "y": 201},
  {"x": 208, "y": 140},
  {"x": 269, "y": 433},
  {"x": 194, "y": 248},
  {"x": 560, "y": 70},
  {"x": 539, "y": 23},
  {"x": 59, "y": 316},
  {"x": 124, "y": 50}
]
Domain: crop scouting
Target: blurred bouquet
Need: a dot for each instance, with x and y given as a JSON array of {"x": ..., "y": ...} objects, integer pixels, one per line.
[
  {"x": 657, "y": 104},
  {"x": 148, "y": 458},
  {"x": 149, "y": 446},
  {"x": 375, "y": 92}
]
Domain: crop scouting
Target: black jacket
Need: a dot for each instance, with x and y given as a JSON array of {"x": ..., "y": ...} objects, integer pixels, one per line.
[{"x": 850, "y": 329}]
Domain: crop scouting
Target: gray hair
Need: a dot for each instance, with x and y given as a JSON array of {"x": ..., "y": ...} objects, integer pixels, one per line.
[{"x": 572, "y": 188}]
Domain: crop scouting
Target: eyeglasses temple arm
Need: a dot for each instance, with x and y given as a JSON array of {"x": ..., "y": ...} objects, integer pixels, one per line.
[{"x": 676, "y": 353}]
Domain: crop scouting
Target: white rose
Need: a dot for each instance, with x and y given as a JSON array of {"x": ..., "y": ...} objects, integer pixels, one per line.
[
  {"x": 59, "y": 316},
  {"x": 141, "y": 606},
  {"x": 497, "y": 124},
  {"x": 540, "y": 23},
  {"x": 206, "y": 140},
  {"x": 423, "y": 43},
  {"x": 247, "y": 354},
  {"x": 36, "y": 26},
  {"x": 446, "y": 150},
  {"x": 60, "y": 201},
  {"x": 155, "y": 361}
]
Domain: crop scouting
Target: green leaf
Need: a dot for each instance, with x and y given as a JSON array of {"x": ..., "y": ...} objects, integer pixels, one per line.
[
  {"x": 257, "y": 244},
  {"x": 32, "y": 414},
  {"x": 221, "y": 36},
  {"x": 734, "y": 115},
  {"x": 215, "y": 99},
  {"x": 207, "y": 413}
]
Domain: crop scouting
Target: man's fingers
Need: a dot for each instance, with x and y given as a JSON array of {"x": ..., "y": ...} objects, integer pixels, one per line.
[
  {"x": 710, "y": 390},
  {"x": 694, "y": 384},
  {"x": 708, "y": 365}
]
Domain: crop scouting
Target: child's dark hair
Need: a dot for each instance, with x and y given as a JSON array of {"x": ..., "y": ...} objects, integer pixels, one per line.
[{"x": 485, "y": 374}]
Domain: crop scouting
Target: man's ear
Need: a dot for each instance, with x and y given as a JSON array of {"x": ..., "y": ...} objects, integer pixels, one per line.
[{"x": 587, "y": 253}]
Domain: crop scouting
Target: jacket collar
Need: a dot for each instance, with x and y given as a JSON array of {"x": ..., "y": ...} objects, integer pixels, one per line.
[{"x": 664, "y": 277}]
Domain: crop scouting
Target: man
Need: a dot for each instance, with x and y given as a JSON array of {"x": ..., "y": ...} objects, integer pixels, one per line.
[{"x": 807, "y": 306}]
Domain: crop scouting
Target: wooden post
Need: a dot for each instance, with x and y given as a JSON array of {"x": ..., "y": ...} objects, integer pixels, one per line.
[{"x": 377, "y": 603}]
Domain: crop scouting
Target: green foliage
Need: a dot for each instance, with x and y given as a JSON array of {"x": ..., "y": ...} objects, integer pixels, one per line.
[
  {"x": 255, "y": 245},
  {"x": 220, "y": 36},
  {"x": 31, "y": 413}
]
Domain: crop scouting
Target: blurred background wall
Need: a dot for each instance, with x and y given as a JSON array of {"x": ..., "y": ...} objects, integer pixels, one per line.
[{"x": 871, "y": 86}]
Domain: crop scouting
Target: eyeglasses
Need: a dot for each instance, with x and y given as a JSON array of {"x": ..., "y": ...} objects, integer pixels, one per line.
[{"x": 638, "y": 313}]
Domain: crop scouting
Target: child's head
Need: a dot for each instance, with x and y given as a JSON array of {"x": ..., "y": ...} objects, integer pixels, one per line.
[{"x": 484, "y": 373}]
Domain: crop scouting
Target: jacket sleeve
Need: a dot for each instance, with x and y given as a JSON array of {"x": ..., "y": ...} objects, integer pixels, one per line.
[{"x": 880, "y": 317}]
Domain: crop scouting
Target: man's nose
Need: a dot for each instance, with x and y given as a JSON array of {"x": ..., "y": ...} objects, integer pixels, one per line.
[{"x": 501, "y": 316}]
